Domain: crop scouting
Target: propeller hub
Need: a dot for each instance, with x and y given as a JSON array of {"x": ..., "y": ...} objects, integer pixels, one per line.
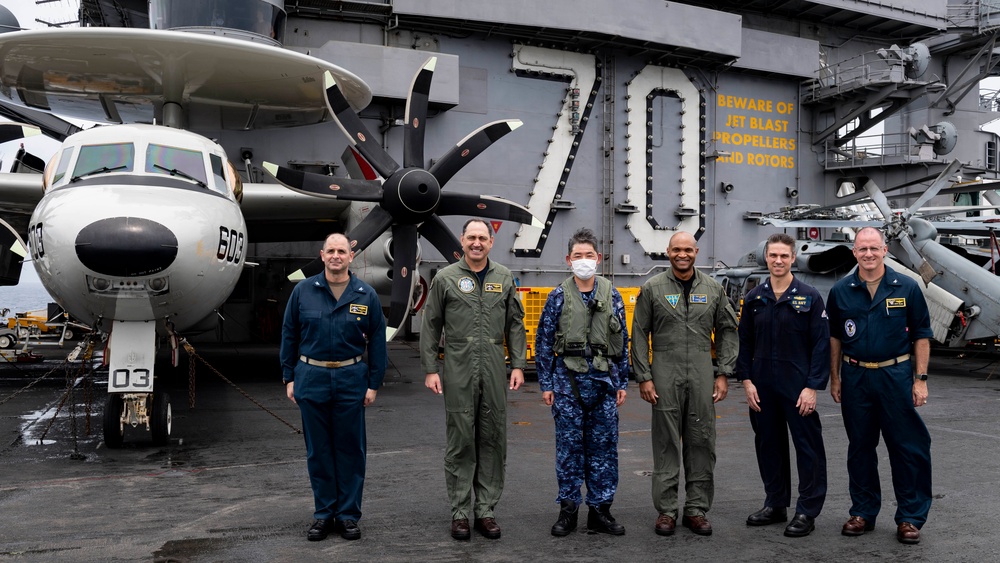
[{"x": 411, "y": 195}]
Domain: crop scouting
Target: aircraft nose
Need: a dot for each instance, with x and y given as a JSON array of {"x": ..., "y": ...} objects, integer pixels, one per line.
[{"x": 126, "y": 247}]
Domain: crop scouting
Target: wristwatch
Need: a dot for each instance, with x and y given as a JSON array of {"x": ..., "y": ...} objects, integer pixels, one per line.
[{"x": 921, "y": 376}]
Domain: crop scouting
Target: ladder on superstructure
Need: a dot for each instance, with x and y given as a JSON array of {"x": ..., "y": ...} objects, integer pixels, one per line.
[{"x": 608, "y": 172}]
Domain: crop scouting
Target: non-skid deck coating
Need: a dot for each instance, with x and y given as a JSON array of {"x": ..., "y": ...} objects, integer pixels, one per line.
[{"x": 232, "y": 484}]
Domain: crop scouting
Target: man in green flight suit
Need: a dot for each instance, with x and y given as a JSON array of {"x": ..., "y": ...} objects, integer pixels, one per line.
[
  {"x": 475, "y": 303},
  {"x": 677, "y": 311}
]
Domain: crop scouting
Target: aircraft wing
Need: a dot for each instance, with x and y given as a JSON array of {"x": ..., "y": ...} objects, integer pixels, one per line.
[{"x": 275, "y": 213}]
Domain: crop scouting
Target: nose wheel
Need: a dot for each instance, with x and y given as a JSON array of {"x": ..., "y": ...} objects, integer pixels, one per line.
[
  {"x": 150, "y": 409},
  {"x": 114, "y": 425}
]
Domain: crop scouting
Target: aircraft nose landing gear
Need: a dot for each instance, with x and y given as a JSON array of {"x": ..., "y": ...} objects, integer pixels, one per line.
[{"x": 150, "y": 409}]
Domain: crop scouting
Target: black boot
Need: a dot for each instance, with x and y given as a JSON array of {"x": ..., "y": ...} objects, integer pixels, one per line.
[
  {"x": 567, "y": 518},
  {"x": 600, "y": 520}
]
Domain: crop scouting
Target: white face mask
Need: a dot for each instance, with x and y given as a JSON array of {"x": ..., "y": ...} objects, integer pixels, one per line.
[{"x": 584, "y": 269}]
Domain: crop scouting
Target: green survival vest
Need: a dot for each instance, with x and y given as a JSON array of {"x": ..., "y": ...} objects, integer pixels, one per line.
[{"x": 588, "y": 332}]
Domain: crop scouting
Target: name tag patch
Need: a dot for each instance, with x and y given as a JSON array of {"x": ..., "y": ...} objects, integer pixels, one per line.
[
  {"x": 358, "y": 309},
  {"x": 801, "y": 302},
  {"x": 895, "y": 302},
  {"x": 696, "y": 298},
  {"x": 493, "y": 287}
]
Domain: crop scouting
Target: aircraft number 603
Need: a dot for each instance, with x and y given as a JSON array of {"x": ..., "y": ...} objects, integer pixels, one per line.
[
  {"x": 231, "y": 244},
  {"x": 35, "y": 241}
]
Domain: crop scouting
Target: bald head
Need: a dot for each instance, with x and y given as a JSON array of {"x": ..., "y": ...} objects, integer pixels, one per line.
[
  {"x": 682, "y": 251},
  {"x": 681, "y": 238}
]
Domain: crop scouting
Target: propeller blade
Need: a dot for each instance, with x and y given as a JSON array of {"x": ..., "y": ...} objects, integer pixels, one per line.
[
  {"x": 355, "y": 129},
  {"x": 404, "y": 265},
  {"x": 486, "y": 206},
  {"x": 470, "y": 147},
  {"x": 377, "y": 221},
  {"x": 325, "y": 186},
  {"x": 14, "y": 131},
  {"x": 310, "y": 269},
  {"x": 934, "y": 188},
  {"x": 879, "y": 199},
  {"x": 435, "y": 231},
  {"x": 416, "y": 115},
  {"x": 917, "y": 261}
]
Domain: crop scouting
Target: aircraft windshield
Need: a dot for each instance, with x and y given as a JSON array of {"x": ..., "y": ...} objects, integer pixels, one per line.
[
  {"x": 101, "y": 159},
  {"x": 260, "y": 17},
  {"x": 176, "y": 162}
]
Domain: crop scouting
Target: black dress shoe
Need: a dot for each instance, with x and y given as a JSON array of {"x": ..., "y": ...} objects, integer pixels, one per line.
[
  {"x": 348, "y": 529},
  {"x": 767, "y": 515},
  {"x": 800, "y": 526},
  {"x": 319, "y": 530}
]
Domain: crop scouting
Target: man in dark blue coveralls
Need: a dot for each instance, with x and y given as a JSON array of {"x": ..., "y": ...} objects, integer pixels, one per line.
[
  {"x": 332, "y": 318},
  {"x": 581, "y": 352},
  {"x": 879, "y": 349},
  {"x": 784, "y": 359}
]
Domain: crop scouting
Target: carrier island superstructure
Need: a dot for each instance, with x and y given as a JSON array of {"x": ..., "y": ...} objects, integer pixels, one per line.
[{"x": 641, "y": 118}]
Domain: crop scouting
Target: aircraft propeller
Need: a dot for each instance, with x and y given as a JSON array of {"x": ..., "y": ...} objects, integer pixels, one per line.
[
  {"x": 410, "y": 200},
  {"x": 898, "y": 226}
]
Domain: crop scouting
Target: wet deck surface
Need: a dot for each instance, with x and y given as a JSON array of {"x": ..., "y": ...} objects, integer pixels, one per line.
[{"x": 232, "y": 484}]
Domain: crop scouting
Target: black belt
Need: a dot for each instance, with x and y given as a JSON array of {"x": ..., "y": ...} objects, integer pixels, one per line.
[{"x": 877, "y": 365}]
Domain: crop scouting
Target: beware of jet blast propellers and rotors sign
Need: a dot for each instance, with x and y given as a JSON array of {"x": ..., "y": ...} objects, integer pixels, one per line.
[{"x": 140, "y": 230}]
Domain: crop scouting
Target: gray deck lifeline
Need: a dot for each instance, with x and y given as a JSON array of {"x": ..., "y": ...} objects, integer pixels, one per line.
[{"x": 232, "y": 484}]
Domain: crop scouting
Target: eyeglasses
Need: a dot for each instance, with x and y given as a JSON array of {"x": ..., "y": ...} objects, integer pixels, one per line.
[{"x": 867, "y": 249}]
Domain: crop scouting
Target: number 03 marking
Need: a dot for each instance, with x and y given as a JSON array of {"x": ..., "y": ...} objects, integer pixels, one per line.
[{"x": 131, "y": 379}]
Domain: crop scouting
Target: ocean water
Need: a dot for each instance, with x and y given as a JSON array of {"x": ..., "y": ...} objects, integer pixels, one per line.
[{"x": 23, "y": 297}]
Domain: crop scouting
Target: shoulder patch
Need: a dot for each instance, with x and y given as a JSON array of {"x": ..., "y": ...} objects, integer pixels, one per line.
[{"x": 358, "y": 309}]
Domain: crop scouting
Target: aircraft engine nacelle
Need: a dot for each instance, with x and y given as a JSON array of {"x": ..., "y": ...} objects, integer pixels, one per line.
[
  {"x": 815, "y": 257},
  {"x": 375, "y": 266},
  {"x": 824, "y": 257}
]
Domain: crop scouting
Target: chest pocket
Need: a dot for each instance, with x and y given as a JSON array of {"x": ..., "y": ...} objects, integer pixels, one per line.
[
  {"x": 800, "y": 303},
  {"x": 896, "y": 312}
]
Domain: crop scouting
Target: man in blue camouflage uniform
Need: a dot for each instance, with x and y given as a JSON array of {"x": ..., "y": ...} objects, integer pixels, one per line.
[{"x": 582, "y": 361}]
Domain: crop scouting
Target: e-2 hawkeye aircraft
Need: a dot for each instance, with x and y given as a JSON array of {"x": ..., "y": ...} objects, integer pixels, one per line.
[{"x": 140, "y": 228}]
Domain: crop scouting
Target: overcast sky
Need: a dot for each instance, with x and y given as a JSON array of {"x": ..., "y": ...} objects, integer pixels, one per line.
[{"x": 27, "y": 11}]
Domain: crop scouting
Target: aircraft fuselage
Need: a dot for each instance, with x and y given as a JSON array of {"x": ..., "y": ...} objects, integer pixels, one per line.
[{"x": 153, "y": 235}]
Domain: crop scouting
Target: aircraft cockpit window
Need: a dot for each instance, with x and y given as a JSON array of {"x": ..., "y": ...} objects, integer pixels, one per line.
[
  {"x": 218, "y": 173},
  {"x": 173, "y": 161},
  {"x": 101, "y": 159},
  {"x": 63, "y": 166}
]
